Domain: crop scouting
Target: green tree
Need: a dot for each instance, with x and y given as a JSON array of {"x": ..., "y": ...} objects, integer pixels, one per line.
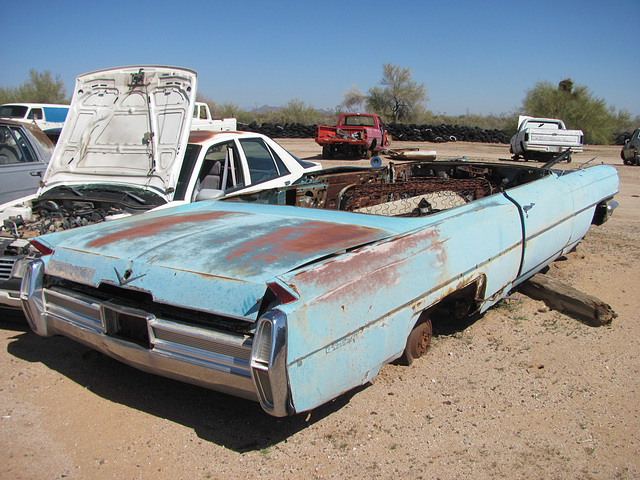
[
  {"x": 577, "y": 107},
  {"x": 297, "y": 111},
  {"x": 231, "y": 110},
  {"x": 353, "y": 99},
  {"x": 41, "y": 88},
  {"x": 397, "y": 98}
]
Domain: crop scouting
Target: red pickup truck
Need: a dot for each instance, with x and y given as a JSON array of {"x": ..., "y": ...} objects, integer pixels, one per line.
[{"x": 356, "y": 135}]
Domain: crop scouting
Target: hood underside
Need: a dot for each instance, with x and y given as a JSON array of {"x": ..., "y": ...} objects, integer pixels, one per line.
[{"x": 126, "y": 125}]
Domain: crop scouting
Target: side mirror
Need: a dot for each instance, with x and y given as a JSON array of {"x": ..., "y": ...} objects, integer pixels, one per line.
[{"x": 209, "y": 194}]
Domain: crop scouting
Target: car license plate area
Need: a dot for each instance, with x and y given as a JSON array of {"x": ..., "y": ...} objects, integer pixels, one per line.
[{"x": 127, "y": 324}]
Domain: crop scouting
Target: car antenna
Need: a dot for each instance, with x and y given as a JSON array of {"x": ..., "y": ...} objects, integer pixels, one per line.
[
  {"x": 588, "y": 161},
  {"x": 558, "y": 159}
]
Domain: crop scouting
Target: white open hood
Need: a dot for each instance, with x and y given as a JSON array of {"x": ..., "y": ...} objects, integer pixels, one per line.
[{"x": 126, "y": 125}]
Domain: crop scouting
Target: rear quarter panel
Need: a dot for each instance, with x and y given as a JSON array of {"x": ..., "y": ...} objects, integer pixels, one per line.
[
  {"x": 589, "y": 187},
  {"x": 356, "y": 310}
]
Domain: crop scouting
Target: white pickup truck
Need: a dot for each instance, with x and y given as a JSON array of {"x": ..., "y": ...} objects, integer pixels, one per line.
[
  {"x": 127, "y": 147},
  {"x": 543, "y": 139},
  {"x": 202, "y": 120}
]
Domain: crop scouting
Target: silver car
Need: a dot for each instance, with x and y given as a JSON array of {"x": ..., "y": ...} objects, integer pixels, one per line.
[{"x": 24, "y": 154}]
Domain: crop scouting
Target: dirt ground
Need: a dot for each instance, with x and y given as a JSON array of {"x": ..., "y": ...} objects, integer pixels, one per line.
[{"x": 522, "y": 393}]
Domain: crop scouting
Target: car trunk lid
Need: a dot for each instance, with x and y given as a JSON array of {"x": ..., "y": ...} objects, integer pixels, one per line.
[{"x": 224, "y": 251}]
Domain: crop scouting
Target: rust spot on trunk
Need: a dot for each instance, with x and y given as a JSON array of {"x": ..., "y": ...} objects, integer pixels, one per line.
[
  {"x": 377, "y": 264},
  {"x": 153, "y": 226},
  {"x": 307, "y": 237}
]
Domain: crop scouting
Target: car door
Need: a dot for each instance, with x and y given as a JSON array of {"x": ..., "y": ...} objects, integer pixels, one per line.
[
  {"x": 20, "y": 168},
  {"x": 547, "y": 211}
]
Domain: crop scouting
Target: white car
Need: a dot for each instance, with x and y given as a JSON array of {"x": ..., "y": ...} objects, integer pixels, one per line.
[{"x": 126, "y": 148}]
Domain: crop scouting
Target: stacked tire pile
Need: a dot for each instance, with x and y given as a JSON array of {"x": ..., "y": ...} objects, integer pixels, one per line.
[
  {"x": 398, "y": 131},
  {"x": 445, "y": 133},
  {"x": 275, "y": 130}
]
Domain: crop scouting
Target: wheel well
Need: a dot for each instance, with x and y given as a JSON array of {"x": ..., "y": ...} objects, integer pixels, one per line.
[
  {"x": 452, "y": 313},
  {"x": 456, "y": 311}
]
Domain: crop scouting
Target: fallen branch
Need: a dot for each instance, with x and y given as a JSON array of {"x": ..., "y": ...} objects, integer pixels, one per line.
[{"x": 558, "y": 296}]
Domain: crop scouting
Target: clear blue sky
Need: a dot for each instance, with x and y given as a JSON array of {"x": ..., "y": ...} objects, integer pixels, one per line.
[{"x": 473, "y": 56}]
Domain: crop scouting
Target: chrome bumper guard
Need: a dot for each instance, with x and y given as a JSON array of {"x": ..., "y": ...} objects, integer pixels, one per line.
[
  {"x": 217, "y": 360},
  {"x": 604, "y": 210},
  {"x": 269, "y": 364}
]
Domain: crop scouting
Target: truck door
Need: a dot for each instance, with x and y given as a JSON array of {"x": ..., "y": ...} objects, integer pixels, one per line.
[{"x": 546, "y": 211}]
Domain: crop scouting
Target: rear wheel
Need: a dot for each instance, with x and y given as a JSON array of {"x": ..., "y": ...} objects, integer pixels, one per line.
[{"x": 418, "y": 342}]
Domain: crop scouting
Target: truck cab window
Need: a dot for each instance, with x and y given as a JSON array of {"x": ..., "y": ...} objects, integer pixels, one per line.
[{"x": 35, "y": 114}]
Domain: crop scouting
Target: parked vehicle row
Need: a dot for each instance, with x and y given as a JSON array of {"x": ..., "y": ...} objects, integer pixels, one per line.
[{"x": 114, "y": 159}]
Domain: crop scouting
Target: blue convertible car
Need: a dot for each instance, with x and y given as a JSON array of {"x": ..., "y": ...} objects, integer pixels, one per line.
[{"x": 291, "y": 296}]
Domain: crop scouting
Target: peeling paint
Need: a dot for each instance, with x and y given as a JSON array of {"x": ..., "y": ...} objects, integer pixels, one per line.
[
  {"x": 302, "y": 239},
  {"x": 152, "y": 226}
]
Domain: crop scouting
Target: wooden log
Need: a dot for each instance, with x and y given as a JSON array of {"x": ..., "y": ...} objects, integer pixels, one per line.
[{"x": 564, "y": 298}]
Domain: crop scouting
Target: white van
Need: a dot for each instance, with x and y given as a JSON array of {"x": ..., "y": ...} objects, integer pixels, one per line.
[{"x": 46, "y": 115}]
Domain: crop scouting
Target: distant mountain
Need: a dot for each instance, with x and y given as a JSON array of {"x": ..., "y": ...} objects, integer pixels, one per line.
[{"x": 263, "y": 109}]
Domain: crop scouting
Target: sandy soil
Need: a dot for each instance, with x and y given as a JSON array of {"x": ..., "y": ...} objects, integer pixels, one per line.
[{"x": 522, "y": 393}]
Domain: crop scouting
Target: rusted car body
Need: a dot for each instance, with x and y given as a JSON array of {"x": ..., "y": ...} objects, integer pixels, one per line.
[{"x": 293, "y": 295}]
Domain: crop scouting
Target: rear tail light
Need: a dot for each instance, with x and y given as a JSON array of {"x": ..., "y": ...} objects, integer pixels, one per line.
[
  {"x": 43, "y": 249},
  {"x": 269, "y": 364},
  {"x": 283, "y": 295}
]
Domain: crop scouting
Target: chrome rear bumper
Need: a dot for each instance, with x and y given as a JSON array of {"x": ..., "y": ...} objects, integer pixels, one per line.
[{"x": 201, "y": 356}]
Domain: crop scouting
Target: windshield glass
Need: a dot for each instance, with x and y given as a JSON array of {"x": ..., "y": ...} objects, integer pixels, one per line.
[
  {"x": 190, "y": 157},
  {"x": 12, "y": 111},
  {"x": 357, "y": 120}
]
